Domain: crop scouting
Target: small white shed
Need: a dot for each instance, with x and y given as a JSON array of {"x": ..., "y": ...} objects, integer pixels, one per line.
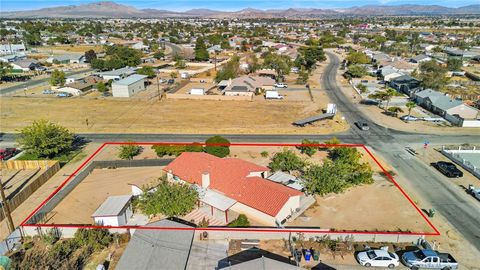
[
  {"x": 197, "y": 91},
  {"x": 114, "y": 211}
]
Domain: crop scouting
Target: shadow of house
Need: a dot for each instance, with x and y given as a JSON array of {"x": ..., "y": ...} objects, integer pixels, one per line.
[{"x": 255, "y": 258}]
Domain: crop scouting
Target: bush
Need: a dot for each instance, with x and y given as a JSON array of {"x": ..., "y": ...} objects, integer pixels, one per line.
[
  {"x": 306, "y": 148},
  {"x": 286, "y": 160},
  {"x": 128, "y": 151},
  {"x": 168, "y": 149},
  {"x": 240, "y": 221},
  {"x": 264, "y": 154},
  {"x": 96, "y": 239},
  {"x": 217, "y": 146},
  {"x": 51, "y": 236}
]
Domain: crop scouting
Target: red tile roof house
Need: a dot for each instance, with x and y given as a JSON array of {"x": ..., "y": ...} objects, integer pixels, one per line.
[{"x": 231, "y": 186}]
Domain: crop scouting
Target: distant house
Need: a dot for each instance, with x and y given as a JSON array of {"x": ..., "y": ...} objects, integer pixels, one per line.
[
  {"x": 247, "y": 85},
  {"x": 420, "y": 58},
  {"x": 114, "y": 211},
  {"x": 8, "y": 58},
  {"x": 26, "y": 65},
  {"x": 140, "y": 46},
  {"x": 214, "y": 49},
  {"x": 406, "y": 84},
  {"x": 234, "y": 186},
  {"x": 67, "y": 59},
  {"x": 117, "y": 74},
  {"x": 78, "y": 87},
  {"x": 129, "y": 86},
  {"x": 12, "y": 48}
]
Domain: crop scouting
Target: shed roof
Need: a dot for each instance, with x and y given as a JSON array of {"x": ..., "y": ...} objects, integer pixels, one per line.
[
  {"x": 112, "y": 206},
  {"x": 263, "y": 263},
  {"x": 130, "y": 79},
  {"x": 217, "y": 200},
  {"x": 158, "y": 249}
]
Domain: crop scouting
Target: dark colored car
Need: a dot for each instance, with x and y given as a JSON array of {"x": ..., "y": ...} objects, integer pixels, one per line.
[
  {"x": 362, "y": 125},
  {"x": 448, "y": 169},
  {"x": 171, "y": 81}
]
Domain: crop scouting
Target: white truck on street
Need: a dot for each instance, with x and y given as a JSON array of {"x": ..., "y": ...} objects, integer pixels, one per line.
[
  {"x": 429, "y": 259},
  {"x": 271, "y": 94}
]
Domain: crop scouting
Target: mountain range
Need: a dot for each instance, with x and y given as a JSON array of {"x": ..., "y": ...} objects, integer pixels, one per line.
[{"x": 114, "y": 10}]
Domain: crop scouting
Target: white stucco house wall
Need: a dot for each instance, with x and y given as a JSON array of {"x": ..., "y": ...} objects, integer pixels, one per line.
[
  {"x": 129, "y": 86},
  {"x": 114, "y": 211}
]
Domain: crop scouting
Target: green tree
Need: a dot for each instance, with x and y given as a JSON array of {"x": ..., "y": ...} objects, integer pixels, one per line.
[
  {"x": 362, "y": 87},
  {"x": 357, "y": 71},
  {"x": 201, "y": 53},
  {"x": 96, "y": 239},
  {"x": 147, "y": 71},
  {"x": 5, "y": 68},
  {"x": 170, "y": 199},
  {"x": 302, "y": 76},
  {"x": 307, "y": 147},
  {"x": 433, "y": 75},
  {"x": 128, "y": 151},
  {"x": 311, "y": 55},
  {"x": 194, "y": 147},
  {"x": 454, "y": 63},
  {"x": 217, "y": 146},
  {"x": 410, "y": 105},
  {"x": 57, "y": 78},
  {"x": 286, "y": 160},
  {"x": 280, "y": 63},
  {"x": 355, "y": 58},
  {"x": 101, "y": 87},
  {"x": 230, "y": 70},
  {"x": 159, "y": 54},
  {"x": 90, "y": 55},
  {"x": 45, "y": 139}
]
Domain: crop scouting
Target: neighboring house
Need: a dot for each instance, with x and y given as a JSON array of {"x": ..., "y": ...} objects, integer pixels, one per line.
[
  {"x": 140, "y": 46},
  {"x": 248, "y": 85},
  {"x": 454, "y": 111},
  {"x": 214, "y": 48},
  {"x": 403, "y": 66},
  {"x": 12, "y": 48},
  {"x": 26, "y": 65},
  {"x": 114, "y": 211},
  {"x": 420, "y": 58},
  {"x": 158, "y": 249},
  {"x": 129, "y": 86},
  {"x": 233, "y": 185},
  {"x": 405, "y": 84},
  {"x": 117, "y": 74},
  {"x": 12, "y": 57},
  {"x": 79, "y": 86},
  {"x": 67, "y": 59},
  {"x": 262, "y": 263}
]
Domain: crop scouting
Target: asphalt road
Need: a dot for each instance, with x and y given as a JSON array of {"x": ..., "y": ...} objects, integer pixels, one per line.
[
  {"x": 35, "y": 83},
  {"x": 433, "y": 189}
]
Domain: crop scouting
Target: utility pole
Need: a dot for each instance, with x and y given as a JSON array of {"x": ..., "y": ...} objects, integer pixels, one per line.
[
  {"x": 158, "y": 87},
  {"x": 6, "y": 208},
  {"x": 215, "y": 60}
]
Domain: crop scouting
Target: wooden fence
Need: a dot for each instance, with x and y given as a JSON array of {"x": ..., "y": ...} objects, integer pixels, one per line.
[
  {"x": 51, "y": 167},
  {"x": 27, "y": 164}
]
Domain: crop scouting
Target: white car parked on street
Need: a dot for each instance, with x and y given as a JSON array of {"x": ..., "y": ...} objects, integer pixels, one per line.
[
  {"x": 281, "y": 85},
  {"x": 378, "y": 257}
]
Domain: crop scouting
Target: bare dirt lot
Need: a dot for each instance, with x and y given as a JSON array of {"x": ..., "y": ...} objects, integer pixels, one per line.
[
  {"x": 168, "y": 116},
  {"x": 81, "y": 203}
]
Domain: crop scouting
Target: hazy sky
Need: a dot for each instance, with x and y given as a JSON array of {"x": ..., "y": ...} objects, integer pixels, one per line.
[{"x": 181, "y": 5}]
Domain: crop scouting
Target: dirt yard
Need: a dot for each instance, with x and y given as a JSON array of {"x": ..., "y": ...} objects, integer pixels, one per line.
[
  {"x": 168, "y": 116},
  {"x": 94, "y": 190},
  {"x": 16, "y": 180}
]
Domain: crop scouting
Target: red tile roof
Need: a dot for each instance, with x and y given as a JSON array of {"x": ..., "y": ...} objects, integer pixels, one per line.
[{"x": 230, "y": 176}]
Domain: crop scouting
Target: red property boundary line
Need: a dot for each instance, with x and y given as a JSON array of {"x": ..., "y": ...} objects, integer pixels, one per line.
[{"x": 435, "y": 233}]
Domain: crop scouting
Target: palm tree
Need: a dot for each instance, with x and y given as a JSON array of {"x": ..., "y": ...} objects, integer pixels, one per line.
[
  {"x": 389, "y": 93},
  {"x": 395, "y": 110},
  {"x": 410, "y": 105}
]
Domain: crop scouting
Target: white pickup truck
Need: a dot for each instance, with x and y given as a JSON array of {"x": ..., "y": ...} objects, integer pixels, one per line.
[
  {"x": 429, "y": 259},
  {"x": 475, "y": 192}
]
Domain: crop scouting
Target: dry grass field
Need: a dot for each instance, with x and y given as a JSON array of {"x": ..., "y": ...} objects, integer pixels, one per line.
[
  {"x": 71, "y": 49},
  {"x": 168, "y": 116}
]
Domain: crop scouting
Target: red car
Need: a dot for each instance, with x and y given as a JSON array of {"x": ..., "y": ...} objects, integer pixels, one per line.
[{"x": 7, "y": 153}]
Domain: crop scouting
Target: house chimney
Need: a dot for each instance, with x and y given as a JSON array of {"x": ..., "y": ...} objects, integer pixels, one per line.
[{"x": 205, "y": 179}]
